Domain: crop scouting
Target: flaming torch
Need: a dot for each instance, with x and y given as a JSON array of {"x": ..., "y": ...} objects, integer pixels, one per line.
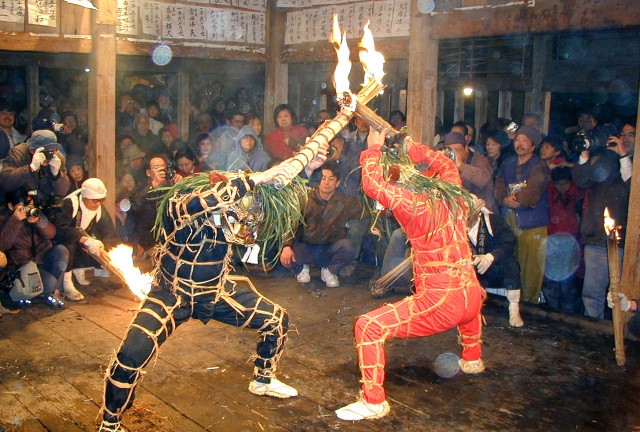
[
  {"x": 348, "y": 102},
  {"x": 120, "y": 262},
  {"x": 614, "y": 285}
]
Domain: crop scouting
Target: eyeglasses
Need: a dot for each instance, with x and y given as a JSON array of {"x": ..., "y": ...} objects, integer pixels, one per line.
[
  {"x": 98, "y": 200},
  {"x": 158, "y": 167}
]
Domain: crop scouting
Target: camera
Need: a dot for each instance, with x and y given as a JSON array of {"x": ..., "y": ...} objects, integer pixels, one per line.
[
  {"x": 581, "y": 142},
  {"x": 57, "y": 127},
  {"x": 49, "y": 153},
  {"x": 171, "y": 169},
  {"x": 449, "y": 153},
  {"x": 32, "y": 211},
  {"x": 331, "y": 151},
  {"x": 512, "y": 127}
]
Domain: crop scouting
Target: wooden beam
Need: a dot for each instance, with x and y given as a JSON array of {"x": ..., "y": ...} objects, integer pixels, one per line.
[
  {"x": 33, "y": 91},
  {"x": 276, "y": 87},
  {"x": 481, "y": 107},
  {"x": 504, "y": 104},
  {"x": 541, "y": 52},
  {"x": 458, "y": 105},
  {"x": 547, "y": 16},
  {"x": 24, "y": 41},
  {"x": 102, "y": 94},
  {"x": 422, "y": 87},
  {"x": 184, "y": 105},
  {"x": 322, "y": 51},
  {"x": 126, "y": 46}
]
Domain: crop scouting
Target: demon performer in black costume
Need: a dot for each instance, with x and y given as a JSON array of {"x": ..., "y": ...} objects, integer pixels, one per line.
[{"x": 202, "y": 216}]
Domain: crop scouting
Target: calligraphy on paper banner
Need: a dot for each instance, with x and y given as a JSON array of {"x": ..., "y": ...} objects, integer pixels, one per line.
[
  {"x": 127, "y": 16},
  {"x": 196, "y": 22},
  {"x": 12, "y": 11},
  {"x": 151, "y": 17},
  {"x": 254, "y": 5},
  {"x": 389, "y": 18},
  {"x": 42, "y": 12}
]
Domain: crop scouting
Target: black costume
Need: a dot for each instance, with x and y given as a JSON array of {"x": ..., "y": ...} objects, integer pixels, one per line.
[{"x": 191, "y": 279}]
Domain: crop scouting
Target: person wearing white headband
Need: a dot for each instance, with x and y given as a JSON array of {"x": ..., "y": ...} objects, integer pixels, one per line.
[{"x": 84, "y": 221}]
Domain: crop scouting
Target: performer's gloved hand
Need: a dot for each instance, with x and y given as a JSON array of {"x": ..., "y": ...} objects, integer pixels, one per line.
[
  {"x": 55, "y": 163},
  {"x": 38, "y": 159},
  {"x": 483, "y": 262},
  {"x": 93, "y": 245},
  {"x": 625, "y": 304}
]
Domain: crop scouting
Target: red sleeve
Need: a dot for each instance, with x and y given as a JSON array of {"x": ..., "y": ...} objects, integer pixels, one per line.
[
  {"x": 275, "y": 144},
  {"x": 436, "y": 162}
]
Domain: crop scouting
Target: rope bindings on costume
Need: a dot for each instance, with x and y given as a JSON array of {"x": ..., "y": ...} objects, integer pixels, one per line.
[{"x": 199, "y": 219}]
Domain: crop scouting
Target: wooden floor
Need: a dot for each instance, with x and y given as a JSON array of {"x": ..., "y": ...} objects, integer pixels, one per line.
[{"x": 550, "y": 375}]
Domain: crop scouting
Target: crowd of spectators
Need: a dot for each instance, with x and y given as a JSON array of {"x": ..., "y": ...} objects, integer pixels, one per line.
[{"x": 550, "y": 191}]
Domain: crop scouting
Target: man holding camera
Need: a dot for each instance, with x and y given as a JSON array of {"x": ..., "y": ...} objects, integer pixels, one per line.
[
  {"x": 623, "y": 145},
  {"x": 144, "y": 202},
  {"x": 36, "y": 165}
]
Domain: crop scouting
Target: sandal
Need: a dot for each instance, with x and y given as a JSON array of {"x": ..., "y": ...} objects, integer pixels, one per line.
[{"x": 54, "y": 302}]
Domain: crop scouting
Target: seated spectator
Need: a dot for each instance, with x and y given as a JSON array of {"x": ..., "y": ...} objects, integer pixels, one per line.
[
  {"x": 493, "y": 245},
  {"x": 561, "y": 286},
  {"x": 25, "y": 236},
  {"x": 186, "y": 162},
  {"x": 73, "y": 140},
  {"x": 204, "y": 126},
  {"x": 323, "y": 240},
  {"x": 204, "y": 152},
  {"x": 475, "y": 169},
  {"x": 153, "y": 111},
  {"x": 247, "y": 155},
  {"x": 170, "y": 142},
  {"x": 497, "y": 143},
  {"x": 552, "y": 152},
  {"x": 144, "y": 202},
  {"x": 36, "y": 165},
  {"x": 124, "y": 116},
  {"x": 256, "y": 123},
  {"x": 122, "y": 142},
  {"x": 134, "y": 162},
  {"x": 284, "y": 140},
  {"x": 397, "y": 119},
  {"x": 84, "y": 227},
  {"x": 598, "y": 172},
  {"x": 125, "y": 223},
  {"x": 149, "y": 142},
  {"x": 76, "y": 172},
  {"x": 9, "y": 137}
]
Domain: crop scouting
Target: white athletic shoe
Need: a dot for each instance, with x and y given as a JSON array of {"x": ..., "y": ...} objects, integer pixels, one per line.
[
  {"x": 361, "y": 410},
  {"x": 275, "y": 388},
  {"x": 329, "y": 278},
  {"x": 304, "y": 276},
  {"x": 70, "y": 291},
  {"x": 471, "y": 367}
]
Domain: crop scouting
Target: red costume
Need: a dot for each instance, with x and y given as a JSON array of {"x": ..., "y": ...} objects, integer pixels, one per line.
[
  {"x": 277, "y": 141},
  {"x": 447, "y": 291}
]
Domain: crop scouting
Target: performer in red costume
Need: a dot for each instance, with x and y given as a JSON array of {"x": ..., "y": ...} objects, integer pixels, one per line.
[{"x": 447, "y": 291}]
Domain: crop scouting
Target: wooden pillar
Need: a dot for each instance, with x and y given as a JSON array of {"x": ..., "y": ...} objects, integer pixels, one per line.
[
  {"x": 630, "y": 280},
  {"x": 504, "y": 104},
  {"x": 102, "y": 103},
  {"x": 184, "y": 105},
  {"x": 422, "y": 77},
  {"x": 276, "y": 73},
  {"x": 481, "y": 105},
  {"x": 440, "y": 105},
  {"x": 458, "y": 105},
  {"x": 541, "y": 50},
  {"x": 33, "y": 92}
]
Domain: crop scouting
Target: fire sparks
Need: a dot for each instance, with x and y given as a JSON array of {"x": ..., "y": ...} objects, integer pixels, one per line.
[
  {"x": 343, "y": 68},
  {"x": 139, "y": 283},
  {"x": 372, "y": 61}
]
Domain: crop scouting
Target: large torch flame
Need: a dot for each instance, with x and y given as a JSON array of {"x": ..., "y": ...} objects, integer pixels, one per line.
[
  {"x": 343, "y": 68},
  {"x": 372, "y": 61},
  {"x": 609, "y": 223},
  {"x": 139, "y": 283}
]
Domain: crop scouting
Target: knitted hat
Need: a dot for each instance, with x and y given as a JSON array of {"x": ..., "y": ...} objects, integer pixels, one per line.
[
  {"x": 93, "y": 188},
  {"x": 454, "y": 138},
  {"x": 74, "y": 160},
  {"x": 530, "y": 132}
]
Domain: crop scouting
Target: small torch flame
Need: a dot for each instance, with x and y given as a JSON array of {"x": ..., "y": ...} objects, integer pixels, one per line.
[
  {"x": 609, "y": 223},
  {"x": 343, "y": 68},
  {"x": 139, "y": 283},
  {"x": 372, "y": 61}
]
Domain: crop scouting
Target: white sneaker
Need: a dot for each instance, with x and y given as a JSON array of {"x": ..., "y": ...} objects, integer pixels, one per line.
[
  {"x": 329, "y": 278},
  {"x": 70, "y": 291},
  {"x": 304, "y": 276},
  {"x": 471, "y": 367},
  {"x": 79, "y": 274},
  {"x": 275, "y": 388},
  {"x": 102, "y": 273},
  {"x": 362, "y": 409}
]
